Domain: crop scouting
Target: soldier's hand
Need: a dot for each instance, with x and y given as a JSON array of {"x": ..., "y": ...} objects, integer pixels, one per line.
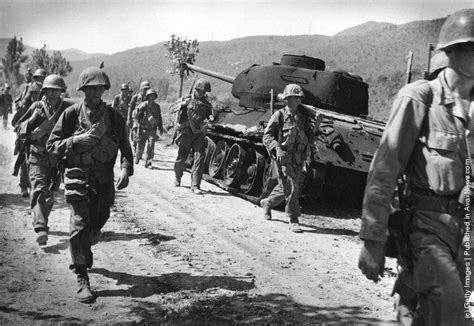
[
  {"x": 372, "y": 259},
  {"x": 122, "y": 181},
  {"x": 86, "y": 139}
]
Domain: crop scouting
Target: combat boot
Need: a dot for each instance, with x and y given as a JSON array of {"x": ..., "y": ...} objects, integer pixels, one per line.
[
  {"x": 24, "y": 192},
  {"x": 42, "y": 237},
  {"x": 295, "y": 227},
  {"x": 177, "y": 182},
  {"x": 267, "y": 211},
  {"x": 84, "y": 293}
]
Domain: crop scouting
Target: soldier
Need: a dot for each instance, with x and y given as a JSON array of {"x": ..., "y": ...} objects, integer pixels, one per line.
[
  {"x": 149, "y": 120},
  {"x": 6, "y": 105},
  {"x": 32, "y": 95},
  {"x": 287, "y": 138},
  {"x": 23, "y": 89},
  {"x": 36, "y": 125},
  {"x": 131, "y": 116},
  {"x": 89, "y": 135},
  {"x": 193, "y": 119},
  {"x": 429, "y": 137},
  {"x": 121, "y": 103}
]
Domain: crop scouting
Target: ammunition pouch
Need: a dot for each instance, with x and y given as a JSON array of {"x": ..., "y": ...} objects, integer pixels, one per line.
[
  {"x": 398, "y": 242},
  {"x": 76, "y": 183}
]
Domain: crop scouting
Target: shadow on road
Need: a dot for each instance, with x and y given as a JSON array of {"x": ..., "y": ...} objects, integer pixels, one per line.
[
  {"x": 242, "y": 309},
  {"x": 154, "y": 238},
  {"x": 319, "y": 230},
  {"x": 144, "y": 286}
]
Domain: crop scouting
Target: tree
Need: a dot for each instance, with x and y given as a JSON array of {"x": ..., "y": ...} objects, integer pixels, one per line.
[
  {"x": 181, "y": 51},
  {"x": 55, "y": 64},
  {"x": 13, "y": 60}
]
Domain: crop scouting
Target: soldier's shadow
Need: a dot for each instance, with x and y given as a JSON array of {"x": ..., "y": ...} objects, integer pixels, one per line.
[{"x": 140, "y": 286}]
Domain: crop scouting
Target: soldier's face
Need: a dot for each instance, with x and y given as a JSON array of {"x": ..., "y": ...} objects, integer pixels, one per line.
[
  {"x": 293, "y": 101},
  {"x": 461, "y": 59},
  {"x": 93, "y": 94},
  {"x": 52, "y": 94},
  {"x": 198, "y": 93}
]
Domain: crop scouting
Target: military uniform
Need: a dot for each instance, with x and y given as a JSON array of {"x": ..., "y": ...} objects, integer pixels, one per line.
[
  {"x": 89, "y": 177},
  {"x": 426, "y": 136},
  {"x": 148, "y": 120},
  {"x": 192, "y": 120},
  {"x": 42, "y": 165},
  {"x": 136, "y": 100},
  {"x": 288, "y": 137},
  {"x": 6, "y": 101}
]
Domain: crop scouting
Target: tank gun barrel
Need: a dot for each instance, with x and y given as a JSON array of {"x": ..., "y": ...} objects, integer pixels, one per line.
[{"x": 210, "y": 73}]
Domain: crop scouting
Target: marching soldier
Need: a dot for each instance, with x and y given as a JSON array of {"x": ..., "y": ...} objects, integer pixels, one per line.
[
  {"x": 36, "y": 125},
  {"x": 6, "y": 102},
  {"x": 429, "y": 138},
  {"x": 136, "y": 100},
  {"x": 149, "y": 120},
  {"x": 23, "y": 89},
  {"x": 121, "y": 103},
  {"x": 89, "y": 135},
  {"x": 287, "y": 138},
  {"x": 32, "y": 96},
  {"x": 193, "y": 119}
]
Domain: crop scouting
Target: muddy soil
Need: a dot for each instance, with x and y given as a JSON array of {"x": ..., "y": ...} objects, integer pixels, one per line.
[{"x": 170, "y": 257}]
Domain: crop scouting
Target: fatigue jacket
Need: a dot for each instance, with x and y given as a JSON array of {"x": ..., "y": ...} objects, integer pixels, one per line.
[
  {"x": 121, "y": 104},
  {"x": 424, "y": 137},
  {"x": 193, "y": 115},
  {"x": 149, "y": 116},
  {"x": 78, "y": 119},
  {"x": 137, "y": 99},
  {"x": 39, "y": 129},
  {"x": 290, "y": 134}
]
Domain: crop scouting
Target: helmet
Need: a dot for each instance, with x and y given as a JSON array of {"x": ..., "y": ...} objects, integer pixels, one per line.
[
  {"x": 151, "y": 91},
  {"x": 35, "y": 87},
  {"x": 93, "y": 76},
  {"x": 145, "y": 84},
  {"x": 203, "y": 85},
  {"x": 124, "y": 87},
  {"x": 457, "y": 28},
  {"x": 7, "y": 86},
  {"x": 438, "y": 62},
  {"x": 292, "y": 90},
  {"x": 40, "y": 73},
  {"x": 54, "y": 82}
]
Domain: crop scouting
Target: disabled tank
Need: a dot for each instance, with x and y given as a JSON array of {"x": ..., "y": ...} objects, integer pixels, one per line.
[{"x": 236, "y": 158}]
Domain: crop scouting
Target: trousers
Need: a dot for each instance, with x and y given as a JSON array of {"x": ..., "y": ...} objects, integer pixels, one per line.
[
  {"x": 41, "y": 198},
  {"x": 186, "y": 142}
]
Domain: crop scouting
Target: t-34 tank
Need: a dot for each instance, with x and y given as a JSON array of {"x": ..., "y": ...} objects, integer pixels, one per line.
[{"x": 346, "y": 142}]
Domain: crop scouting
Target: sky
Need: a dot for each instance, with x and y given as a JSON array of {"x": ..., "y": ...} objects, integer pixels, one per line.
[{"x": 99, "y": 26}]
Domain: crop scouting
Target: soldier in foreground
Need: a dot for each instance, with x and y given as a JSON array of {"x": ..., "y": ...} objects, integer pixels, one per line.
[
  {"x": 425, "y": 137},
  {"x": 36, "y": 126},
  {"x": 149, "y": 121},
  {"x": 121, "y": 103},
  {"x": 32, "y": 95},
  {"x": 89, "y": 135},
  {"x": 193, "y": 119},
  {"x": 6, "y": 102},
  {"x": 287, "y": 138},
  {"x": 136, "y": 100}
]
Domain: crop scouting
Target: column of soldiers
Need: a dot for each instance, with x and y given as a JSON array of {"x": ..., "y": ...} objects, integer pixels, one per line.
[{"x": 428, "y": 139}]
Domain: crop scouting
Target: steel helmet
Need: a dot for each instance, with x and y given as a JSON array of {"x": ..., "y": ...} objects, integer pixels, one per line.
[
  {"x": 124, "y": 87},
  {"x": 40, "y": 73},
  {"x": 151, "y": 91},
  {"x": 203, "y": 85},
  {"x": 7, "y": 86},
  {"x": 34, "y": 87},
  {"x": 93, "y": 76},
  {"x": 54, "y": 82},
  {"x": 144, "y": 85},
  {"x": 292, "y": 90},
  {"x": 457, "y": 28}
]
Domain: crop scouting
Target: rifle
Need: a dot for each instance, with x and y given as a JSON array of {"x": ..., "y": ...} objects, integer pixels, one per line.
[
  {"x": 21, "y": 145},
  {"x": 409, "y": 67},
  {"x": 428, "y": 66}
]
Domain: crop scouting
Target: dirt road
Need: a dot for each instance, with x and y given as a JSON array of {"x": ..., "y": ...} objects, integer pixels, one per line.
[{"x": 168, "y": 256}]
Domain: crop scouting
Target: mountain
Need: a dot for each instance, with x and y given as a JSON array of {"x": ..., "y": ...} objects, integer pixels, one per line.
[
  {"x": 78, "y": 55},
  {"x": 368, "y": 27}
]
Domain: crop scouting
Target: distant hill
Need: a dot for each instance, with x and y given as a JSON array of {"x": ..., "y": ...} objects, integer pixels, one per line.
[{"x": 368, "y": 27}]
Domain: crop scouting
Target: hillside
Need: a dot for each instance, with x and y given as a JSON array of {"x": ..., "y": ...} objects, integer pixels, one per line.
[{"x": 376, "y": 51}]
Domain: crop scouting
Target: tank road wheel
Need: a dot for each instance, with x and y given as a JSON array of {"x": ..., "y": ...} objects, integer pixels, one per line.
[
  {"x": 233, "y": 164},
  {"x": 210, "y": 147},
  {"x": 216, "y": 164},
  {"x": 252, "y": 172}
]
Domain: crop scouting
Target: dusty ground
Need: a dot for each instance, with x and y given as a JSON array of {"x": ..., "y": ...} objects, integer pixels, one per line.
[{"x": 171, "y": 257}]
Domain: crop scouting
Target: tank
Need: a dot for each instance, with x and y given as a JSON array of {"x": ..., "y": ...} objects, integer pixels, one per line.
[{"x": 236, "y": 158}]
